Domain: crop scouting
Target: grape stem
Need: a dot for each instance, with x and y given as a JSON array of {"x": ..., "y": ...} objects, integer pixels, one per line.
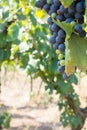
[{"x": 78, "y": 111}]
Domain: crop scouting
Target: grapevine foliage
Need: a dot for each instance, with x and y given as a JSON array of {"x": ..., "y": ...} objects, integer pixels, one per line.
[
  {"x": 5, "y": 119},
  {"x": 24, "y": 43}
]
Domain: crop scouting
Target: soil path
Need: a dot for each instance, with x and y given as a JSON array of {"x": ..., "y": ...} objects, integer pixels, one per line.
[{"x": 26, "y": 113}]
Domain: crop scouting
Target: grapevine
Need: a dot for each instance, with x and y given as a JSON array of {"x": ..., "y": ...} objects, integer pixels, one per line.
[
  {"x": 67, "y": 22},
  {"x": 24, "y": 43}
]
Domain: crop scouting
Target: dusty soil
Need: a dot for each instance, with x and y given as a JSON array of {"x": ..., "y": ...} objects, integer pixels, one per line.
[{"x": 31, "y": 111}]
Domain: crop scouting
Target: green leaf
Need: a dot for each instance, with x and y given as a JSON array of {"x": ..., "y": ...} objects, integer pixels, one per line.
[
  {"x": 7, "y": 54},
  {"x": 2, "y": 27},
  {"x": 42, "y": 48},
  {"x": 13, "y": 32},
  {"x": 73, "y": 79},
  {"x": 24, "y": 60},
  {"x": 76, "y": 54},
  {"x": 66, "y": 3},
  {"x": 17, "y": 1},
  {"x": 1, "y": 54},
  {"x": 7, "y": 120},
  {"x": 53, "y": 66},
  {"x": 50, "y": 87},
  {"x": 40, "y": 33},
  {"x": 5, "y": 14},
  {"x": 75, "y": 121},
  {"x": 31, "y": 69},
  {"x": 2, "y": 39},
  {"x": 86, "y": 11},
  {"x": 21, "y": 16},
  {"x": 1, "y": 119},
  {"x": 62, "y": 85},
  {"x": 32, "y": 18}
]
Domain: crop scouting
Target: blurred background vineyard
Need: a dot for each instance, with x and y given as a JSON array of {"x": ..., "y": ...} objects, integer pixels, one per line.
[{"x": 28, "y": 67}]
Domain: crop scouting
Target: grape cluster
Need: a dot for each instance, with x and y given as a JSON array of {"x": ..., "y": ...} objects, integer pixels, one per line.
[{"x": 55, "y": 9}]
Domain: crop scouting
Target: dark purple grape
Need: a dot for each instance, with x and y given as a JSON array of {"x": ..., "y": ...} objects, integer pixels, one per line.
[
  {"x": 82, "y": 33},
  {"x": 50, "y": 28},
  {"x": 43, "y": 2},
  {"x": 81, "y": 20},
  {"x": 61, "y": 69},
  {"x": 62, "y": 9},
  {"x": 67, "y": 15},
  {"x": 61, "y": 33},
  {"x": 80, "y": 6},
  {"x": 78, "y": 28},
  {"x": 55, "y": 46},
  {"x": 57, "y": 2},
  {"x": 71, "y": 9},
  {"x": 46, "y": 7},
  {"x": 58, "y": 12},
  {"x": 78, "y": 15},
  {"x": 60, "y": 40},
  {"x": 55, "y": 34},
  {"x": 49, "y": 21},
  {"x": 50, "y": 12},
  {"x": 69, "y": 20},
  {"x": 38, "y": 4},
  {"x": 52, "y": 39},
  {"x": 60, "y": 18},
  {"x": 55, "y": 28},
  {"x": 61, "y": 47},
  {"x": 53, "y": 8},
  {"x": 51, "y": 1}
]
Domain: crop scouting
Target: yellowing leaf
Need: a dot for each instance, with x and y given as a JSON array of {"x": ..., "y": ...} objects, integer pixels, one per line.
[
  {"x": 25, "y": 7},
  {"x": 23, "y": 2},
  {"x": 86, "y": 29},
  {"x": 26, "y": 10},
  {"x": 39, "y": 13}
]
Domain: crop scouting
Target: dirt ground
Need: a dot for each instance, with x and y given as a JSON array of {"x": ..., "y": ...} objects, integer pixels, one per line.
[{"x": 31, "y": 111}]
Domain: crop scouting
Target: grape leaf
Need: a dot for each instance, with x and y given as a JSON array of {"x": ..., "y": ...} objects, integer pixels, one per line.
[
  {"x": 86, "y": 11},
  {"x": 66, "y": 3},
  {"x": 76, "y": 54},
  {"x": 73, "y": 79},
  {"x": 1, "y": 54},
  {"x": 13, "y": 32}
]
